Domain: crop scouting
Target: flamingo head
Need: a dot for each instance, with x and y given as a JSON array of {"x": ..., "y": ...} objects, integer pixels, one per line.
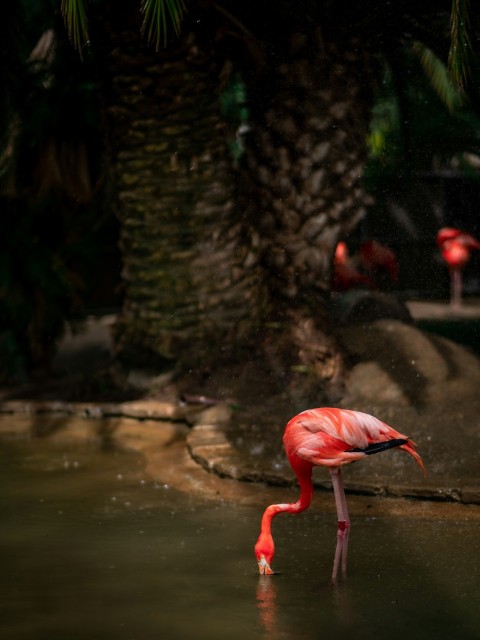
[
  {"x": 445, "y": 234},
  {"x": 341, "y": 253},
  {"x": 264, "y": 552}
]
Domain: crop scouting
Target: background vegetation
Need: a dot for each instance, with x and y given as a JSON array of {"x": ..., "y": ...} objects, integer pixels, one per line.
[{"x": 58, "y": 182}]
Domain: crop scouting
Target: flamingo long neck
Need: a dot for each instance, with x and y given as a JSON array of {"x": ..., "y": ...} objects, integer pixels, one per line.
[{"x": 306, "y": 491}]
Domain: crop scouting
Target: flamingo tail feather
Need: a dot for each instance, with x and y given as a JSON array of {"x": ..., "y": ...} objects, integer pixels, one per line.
[
  {"x": 409, "y": 447},
  {"x": 402, "y": 443}
]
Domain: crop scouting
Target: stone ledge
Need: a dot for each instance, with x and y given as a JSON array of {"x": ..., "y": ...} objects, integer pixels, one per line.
[
  {"x": 213, "y": 448},
  {"x": 139, "y": 409},
  {"x": 217, "y": 445}
]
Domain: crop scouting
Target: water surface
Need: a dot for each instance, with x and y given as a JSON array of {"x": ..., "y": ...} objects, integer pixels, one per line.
[{"x": 92, "y": 549}]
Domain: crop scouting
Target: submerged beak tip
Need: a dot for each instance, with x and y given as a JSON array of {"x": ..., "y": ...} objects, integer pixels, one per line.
[{"x": 264, "y": 569}]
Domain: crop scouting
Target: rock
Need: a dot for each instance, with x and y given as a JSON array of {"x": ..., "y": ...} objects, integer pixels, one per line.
[
  {"x": 152, "y": 409},
  {"x": 147, "y": 381},
  {"x": 369, "y": 381},
  {"x": 360, "y": 306},
  {"x": 397, "y": 362},
  {"x": 218, "y": 414}
]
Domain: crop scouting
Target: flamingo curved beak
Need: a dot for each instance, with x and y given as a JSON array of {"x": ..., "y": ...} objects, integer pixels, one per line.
[{"x": 264, "y": 568}]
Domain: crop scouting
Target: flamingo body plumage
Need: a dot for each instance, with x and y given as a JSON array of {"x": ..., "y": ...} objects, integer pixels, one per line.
[
  {"x": 333, "y": 437},
  {"x": 455, "y": 247},
  {"x": 376, "y": 258},
  {"x": 450, "y": 234},
  {"x": 329, "y": 437}
]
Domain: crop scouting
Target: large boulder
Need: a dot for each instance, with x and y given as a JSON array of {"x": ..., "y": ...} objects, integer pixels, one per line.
[
  {"x": 360, "y": 306},
  {"x": 397, "y": 362}
]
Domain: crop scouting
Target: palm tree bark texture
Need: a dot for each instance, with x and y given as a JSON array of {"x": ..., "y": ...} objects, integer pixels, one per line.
[
  {"x": 189, "y": 273},
  {"x": 201, "y": 277},
  {"x": 307, "y": 150}
]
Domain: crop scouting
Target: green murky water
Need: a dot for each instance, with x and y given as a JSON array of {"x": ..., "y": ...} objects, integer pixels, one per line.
[{"x": 91, "y": 549}]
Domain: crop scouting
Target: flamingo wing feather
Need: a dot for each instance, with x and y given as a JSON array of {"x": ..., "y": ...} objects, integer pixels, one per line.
[
  {"x": 354, "y": 428},
  {"x": 333, "y": 437}
]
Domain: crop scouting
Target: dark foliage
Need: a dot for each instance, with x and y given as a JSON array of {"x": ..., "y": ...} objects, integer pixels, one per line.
[{"x": 53, "y": 216}]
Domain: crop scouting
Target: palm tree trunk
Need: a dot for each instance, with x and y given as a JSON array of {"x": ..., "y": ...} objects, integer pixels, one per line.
[
  {"x": 189, "y": 292},
  {"x": 307, "y": 153}
]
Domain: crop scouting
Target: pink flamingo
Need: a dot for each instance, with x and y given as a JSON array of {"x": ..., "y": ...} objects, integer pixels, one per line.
[
  {"x": 345, "y": 275},
  {"x": 455, "y": 246},
  {"x": 331, "y": 438},
  {"x": 378, "y": 260}
]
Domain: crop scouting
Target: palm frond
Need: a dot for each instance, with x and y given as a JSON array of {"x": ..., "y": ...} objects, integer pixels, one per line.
[
  {"x": 384, "y": 122},
  {"x": 160, "y": 17},
  {"x": 440, "y": 77},
  {"x": 460, "y": 42},
  {"x": 75, "y": 17}
]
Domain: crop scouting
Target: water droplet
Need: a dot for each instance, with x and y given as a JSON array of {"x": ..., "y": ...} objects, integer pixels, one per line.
[{"x": 257, "y": 449}]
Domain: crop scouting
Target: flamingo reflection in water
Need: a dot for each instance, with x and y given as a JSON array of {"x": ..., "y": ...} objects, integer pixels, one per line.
[{"x": 328, "y": 437}]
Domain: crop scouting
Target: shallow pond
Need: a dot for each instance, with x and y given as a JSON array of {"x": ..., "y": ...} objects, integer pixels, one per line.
[{"x": 93, "y": 549}]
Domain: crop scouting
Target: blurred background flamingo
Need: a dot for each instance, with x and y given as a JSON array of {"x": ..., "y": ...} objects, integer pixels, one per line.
[
  {"x": 455, "y": 247},
  {"x": 346, "y": 275},
  {"x": 379, "y": 262},
  {"x": 374, "y": 266}
]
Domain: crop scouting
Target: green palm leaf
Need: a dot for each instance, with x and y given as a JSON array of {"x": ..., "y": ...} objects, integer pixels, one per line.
[
  {"x": 159, "y": 17},
  {"x": 460, "y": 42},
  {"x": 75, "y": 17},
  {"x": 440, "y": 77}
]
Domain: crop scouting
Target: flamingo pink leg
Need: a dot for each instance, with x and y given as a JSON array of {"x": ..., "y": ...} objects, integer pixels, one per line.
[
  {"x": 455, "y": 288},
  {"x": 343, "y": 523}
]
